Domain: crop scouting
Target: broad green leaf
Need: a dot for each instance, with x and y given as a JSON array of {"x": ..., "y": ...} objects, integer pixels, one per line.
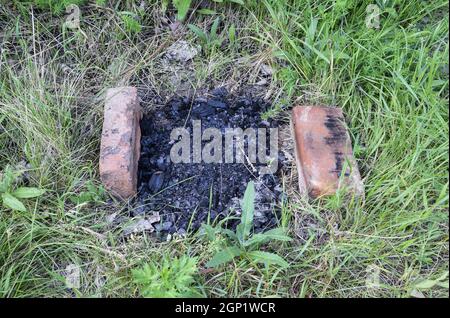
[
  {"x": 12, "y": 203},
  {"x": 443, "y": 284},
  {"x": 27, "y": 192},
  {"x": 429, "y": 283},
  {"x": 417, "y": 294},
  {"x": 268, "y": 258},
  {"x": 209, "y": 231},
  {"x": 81, "y": 198},
  {"x": 311, "y": 31},
  {"x": 206, "y": 11},
  {"x": 274, "y": 234},
  {"x": 7, "y": 178},
  {"x": 164, "y": 5},
  {"x": 443, "y": 276},
  {"x": 256, "y": 239},
  {"x": 241, "y": 2},
  {"x": 182, "y": 7},
  {"x": 318, "y": 53},
  {"x": 214, "y": 28},
  {"x": 199, "y": 32},
  {"x": 224, "y": 256},
  {"x": 426, "y": 284},
  {"x": 232, "y": 33},
  {"x": 248, "y": 208},
  {"x": 229, "y": 233},
  {"x": 278, "y": 234}
]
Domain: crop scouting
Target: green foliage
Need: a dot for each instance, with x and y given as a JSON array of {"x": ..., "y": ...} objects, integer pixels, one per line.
[
  {"x": 11, "y": 195},
  {"x": 241, "y": 2},
  {"x": 212, "y": 39},
  {"x": 243, "y": 243},
  {"x": 232, "y": 34},
  {"x": 422, "y": 285},
  {"x": 130, "y": 23},
  {"x": 171, "y": 278},
  {"x": 182, "y": 7},
  {"x": 56, "y": 7},
  {"x": 92, "y": 194}
]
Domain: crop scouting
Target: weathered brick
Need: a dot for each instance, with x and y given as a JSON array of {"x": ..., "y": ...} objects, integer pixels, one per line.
[
  {"x": 120, "y": 142},
  {"x": 323, "y": 148}
]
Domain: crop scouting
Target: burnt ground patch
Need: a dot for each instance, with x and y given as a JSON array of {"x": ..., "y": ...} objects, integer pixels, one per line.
[{"x": 185, "y": 195}]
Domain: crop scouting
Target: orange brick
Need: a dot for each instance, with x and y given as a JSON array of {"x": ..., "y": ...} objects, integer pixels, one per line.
[
  {"x": 120, "y": 142},
  {"x": 323, "y": 148}
]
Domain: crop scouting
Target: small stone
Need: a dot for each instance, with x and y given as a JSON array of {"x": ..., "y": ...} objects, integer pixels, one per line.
[
  {"x": 138, "y": 226},
  {"x": 258, "y": 214},
  {"x": 265, "y": 123},
  {"x": 262, "y": 82},
  {"x": 203, "y": 110},
  {"x": 166, "y": 226},
  {"x": 110, "y": 218},
  {"x": 266, "y": 69},
  {"x": 162, "y": 163},
  {"x": 154, "y": 218},
  {"x": 176, "y": 106},
  {"x": 182, "y": 232},
  {"x": 181, "y": 51},
  {"x": 140, "y": 210},
  {"x": 219, "y": 92},
  {"x": 156, "y": 181},
  {"x": 217, "y": 104},
  {"x": 175, "y": 26}
]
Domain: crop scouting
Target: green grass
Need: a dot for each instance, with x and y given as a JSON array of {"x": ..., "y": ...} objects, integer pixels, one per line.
[{"x": 391, "y": 82}]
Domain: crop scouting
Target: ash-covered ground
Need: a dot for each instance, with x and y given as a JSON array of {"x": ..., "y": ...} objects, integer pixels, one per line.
[{"x": 185, "y": 195}]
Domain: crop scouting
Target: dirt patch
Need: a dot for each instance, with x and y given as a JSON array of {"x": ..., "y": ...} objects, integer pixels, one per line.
[{"x": 186, "y": 195}]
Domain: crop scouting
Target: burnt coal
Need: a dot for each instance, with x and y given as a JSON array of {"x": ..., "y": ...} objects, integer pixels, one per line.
[
  {"x": 217, "y": 104},
  {"x": 188, "y": 194},
  {"x": 156, "y": 182}
]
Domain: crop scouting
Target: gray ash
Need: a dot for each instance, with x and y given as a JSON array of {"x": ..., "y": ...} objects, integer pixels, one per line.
[{"x": 188, "y": 194}]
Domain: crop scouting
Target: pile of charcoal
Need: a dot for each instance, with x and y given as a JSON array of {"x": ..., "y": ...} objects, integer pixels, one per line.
[{"x": 185, "y": 195}]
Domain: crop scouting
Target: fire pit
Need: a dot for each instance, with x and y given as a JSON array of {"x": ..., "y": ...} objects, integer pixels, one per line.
[
  {"x": 189, "y": 161},
  {"x": 197, "y": 156}
]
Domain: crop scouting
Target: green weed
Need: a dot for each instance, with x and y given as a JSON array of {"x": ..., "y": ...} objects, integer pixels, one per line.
[
  {"x": 11, "y": 194},
  {"x": 243, "y": 243},
  {"x": 170, "y": 278}
]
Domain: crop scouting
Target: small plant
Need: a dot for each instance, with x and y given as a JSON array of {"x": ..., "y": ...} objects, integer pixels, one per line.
[
  {"x": 93, "y": 193},
  {"x": 169, "y": 279},
  {"x": 241, "y": 2},
  {"x": 423, "y": 285},
  {"x": 213, "y": 39},
  {"x": 10, "y": 195},
  {"x": 56, "y": 7},
  {"x": 243, "y": 243},
  {"x": 130, "y": 23},
  {"x": 182, "y": 7}
]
